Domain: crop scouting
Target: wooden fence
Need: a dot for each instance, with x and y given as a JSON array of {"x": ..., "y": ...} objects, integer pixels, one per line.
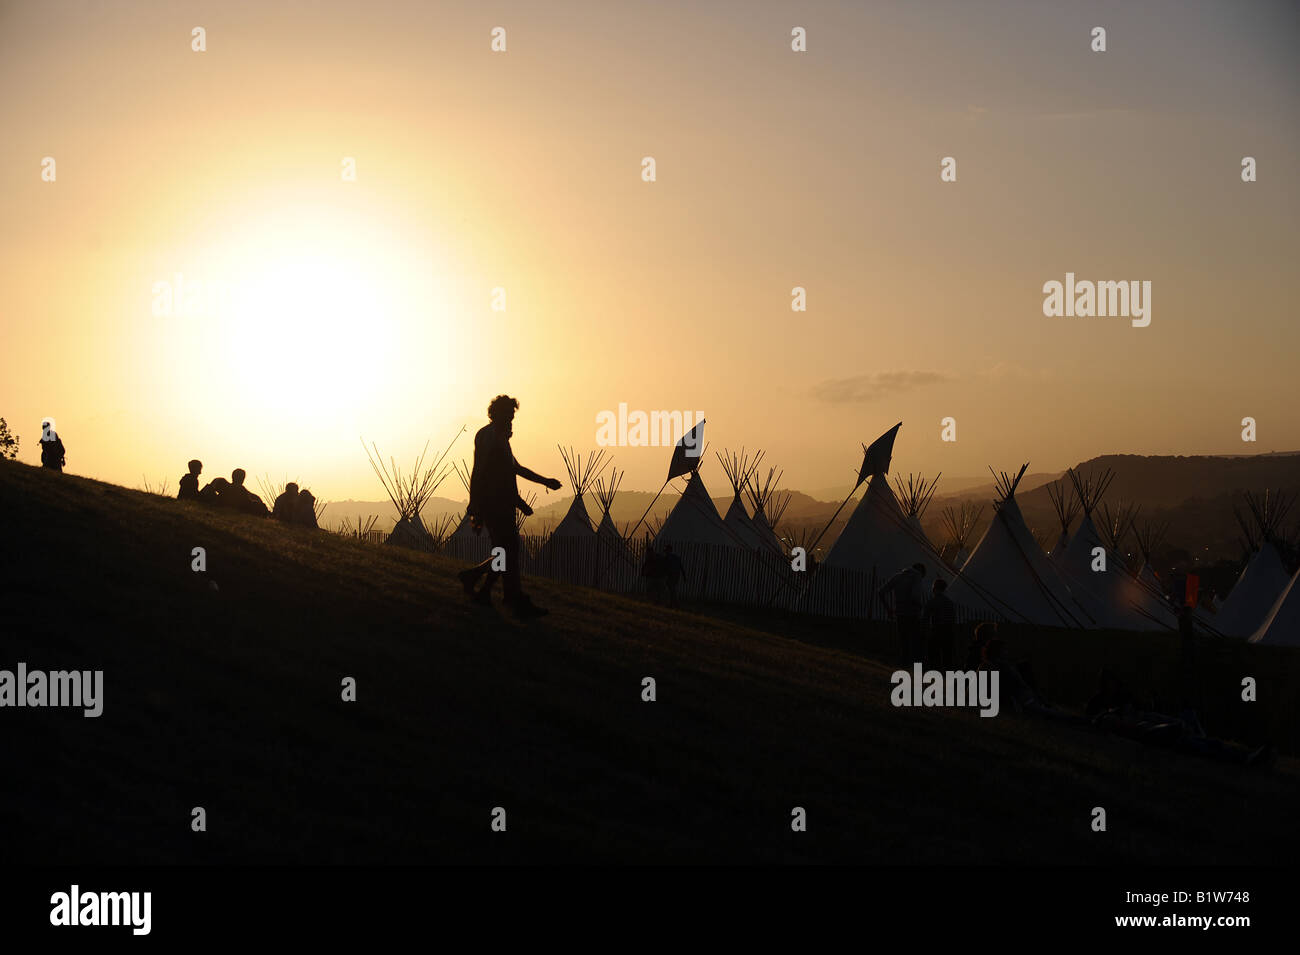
[{"x": 711, "y": 573}]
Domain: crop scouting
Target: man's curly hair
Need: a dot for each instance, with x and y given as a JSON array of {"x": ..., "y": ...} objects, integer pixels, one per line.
[{"x": 502, "y": 406}]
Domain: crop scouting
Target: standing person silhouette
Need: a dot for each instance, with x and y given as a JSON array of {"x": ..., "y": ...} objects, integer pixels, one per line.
[
  {"x": 493, "y": 499},
  {"x": 53, "y": 455}
]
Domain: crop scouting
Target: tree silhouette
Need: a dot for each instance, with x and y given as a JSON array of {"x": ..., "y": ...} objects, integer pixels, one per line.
[{"x": 8, "y": 442}]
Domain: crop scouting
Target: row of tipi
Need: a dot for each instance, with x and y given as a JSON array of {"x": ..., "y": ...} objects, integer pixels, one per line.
[{"x": 1082, "y": 582}]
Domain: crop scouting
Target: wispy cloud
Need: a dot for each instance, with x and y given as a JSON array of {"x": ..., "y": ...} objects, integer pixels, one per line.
[{"x": 864, "y": 388}]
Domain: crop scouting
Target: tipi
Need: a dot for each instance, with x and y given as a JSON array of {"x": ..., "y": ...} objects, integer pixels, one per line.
[
  {"x": 1151, "y": 591},
  {"x": 1262, "y": 581},
  {"x": 1066, "y": 506},
  {"x": 1282, "y": 625},
  {"x": 914, "y": 497},
  {"x": 694, "y": 519},
  {"x": 1103, "y": 590},
  {"x": 605, "y": 492},
  {"x": 769, "y": 508},
  {"x": 577, "y": 522},
  {"x": 880, "y": 539},
  {"x": 1009, "y": 572},
  {"x": 739, "y": 469},
  {"x": 960, "y": 525},
  {"x": 463, "y": 541},
  {"x": 409, "y": 493}
]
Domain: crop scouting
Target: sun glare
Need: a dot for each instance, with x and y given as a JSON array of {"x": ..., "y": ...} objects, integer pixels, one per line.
[{"x": 311, "y": 313}]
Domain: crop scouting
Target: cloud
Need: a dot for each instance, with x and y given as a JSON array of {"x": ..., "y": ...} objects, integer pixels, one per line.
[{"x": 864, "y": 388}]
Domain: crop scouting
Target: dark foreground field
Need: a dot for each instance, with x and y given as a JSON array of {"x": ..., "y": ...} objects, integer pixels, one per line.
[{"x": 229, "y": 699}]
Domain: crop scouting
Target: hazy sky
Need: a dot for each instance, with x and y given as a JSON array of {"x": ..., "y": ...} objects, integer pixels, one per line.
[{"x": 364, "y": 308}]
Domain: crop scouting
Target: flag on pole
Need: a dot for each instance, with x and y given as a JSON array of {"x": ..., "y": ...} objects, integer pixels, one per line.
[
  {"x": 876, "y": 459},
  {"x": 1193, "y": 591},
  {"x": 686, "y": 455}
]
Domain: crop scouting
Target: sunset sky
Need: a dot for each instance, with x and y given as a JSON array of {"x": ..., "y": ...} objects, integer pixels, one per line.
[{"x": 364, "y": 308}]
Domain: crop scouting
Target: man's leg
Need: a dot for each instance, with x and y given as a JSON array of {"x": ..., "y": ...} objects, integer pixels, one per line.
[{"x": 911, "y": 629}]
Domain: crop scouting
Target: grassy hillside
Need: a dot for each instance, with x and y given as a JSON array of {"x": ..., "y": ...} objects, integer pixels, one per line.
[{"x": 229, "y": 698}]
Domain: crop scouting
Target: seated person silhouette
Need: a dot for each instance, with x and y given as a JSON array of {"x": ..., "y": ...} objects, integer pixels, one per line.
[
  {"x": 189, "y": 484},
  {"x": 215, "y": 492},
  {"x": 239, "y": 498},
  {"x": 286, "y": 504},
  {"x": 304, "y": 513}
]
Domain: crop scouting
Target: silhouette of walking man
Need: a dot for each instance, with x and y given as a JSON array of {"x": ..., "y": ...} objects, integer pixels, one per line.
[
  {"x": 53, "y": 455},
  {"x": 493, "y": 499}
]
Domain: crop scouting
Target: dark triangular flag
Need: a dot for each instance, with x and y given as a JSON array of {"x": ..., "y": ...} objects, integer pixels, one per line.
[
  {"x": 686, "y": 456},
  {"x": 875, "y": 459}
]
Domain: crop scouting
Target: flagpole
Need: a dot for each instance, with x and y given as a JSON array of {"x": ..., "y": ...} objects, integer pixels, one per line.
[
  {"x": 813, "y": 545},
  {"x": 632, "y": 533}
]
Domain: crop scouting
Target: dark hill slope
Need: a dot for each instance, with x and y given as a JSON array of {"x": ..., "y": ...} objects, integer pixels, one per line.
[{"x": 229, "y": 699}]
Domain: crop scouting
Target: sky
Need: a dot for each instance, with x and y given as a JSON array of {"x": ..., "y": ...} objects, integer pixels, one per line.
[{"x": 363, "y": 309}]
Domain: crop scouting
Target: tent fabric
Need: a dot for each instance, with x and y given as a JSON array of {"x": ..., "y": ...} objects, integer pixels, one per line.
[
  {"x": 1009, "y": 571},
  {"x": 694, "y": 518},
  {"x": 878, "y": 537},
  {"x": 737, "y": 521},
  {"x": 1281, "y": 627},
  {"x": 767, "y": 538},
  {"x": 1253, "y": 596},
  {"x": 576, "y": 521},
  {"x": 1110, "y": 596}
]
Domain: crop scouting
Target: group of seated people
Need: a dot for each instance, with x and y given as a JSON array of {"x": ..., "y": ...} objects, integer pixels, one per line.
[{"x": 294, "y": 506}]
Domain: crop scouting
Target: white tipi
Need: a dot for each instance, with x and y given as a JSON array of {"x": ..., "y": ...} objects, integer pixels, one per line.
[
  {"x": 1151, "y": 590},
  {"x": 693, "y": 518},
  {"x": 605, "y": 492},
  {"x": 1264, "y": 578},
  {"x": 463, "y": 541},
  {"x": 914, "y": 496},
  {"x": 960, "y": 525},
  {"x": 879, "y": 538},
  {"x": 1282, "y": 625},
  {"x": 739, "y": 469},
  {"x": 577, "y": 522},
  {"x": 1103, "y": 591},
  {"x": 769, "y": 508},
  {"x": 1066, "y": 506},
  {"x": 1009, "y": 572},
  {"x": 409, "y": 492}
]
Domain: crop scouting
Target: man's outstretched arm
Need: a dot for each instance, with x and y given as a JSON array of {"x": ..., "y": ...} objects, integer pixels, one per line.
[{"x": 530, "y": 475}]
